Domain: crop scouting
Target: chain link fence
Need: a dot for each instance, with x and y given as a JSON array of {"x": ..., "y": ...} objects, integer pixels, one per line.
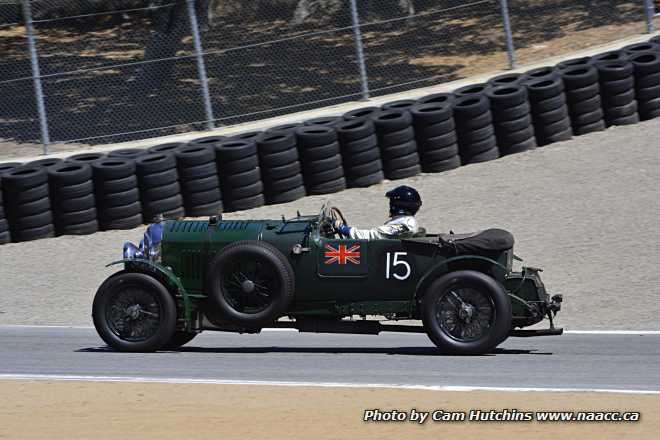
[{"x": 85, "y": 72}]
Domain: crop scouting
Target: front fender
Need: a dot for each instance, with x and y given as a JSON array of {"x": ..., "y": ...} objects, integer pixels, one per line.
[
  {"x": 442, "y": 268},
  {"x": 170, "y": 277}
]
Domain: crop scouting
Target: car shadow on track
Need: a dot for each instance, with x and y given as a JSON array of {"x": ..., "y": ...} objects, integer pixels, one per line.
[{"x": 405, "y": 351}]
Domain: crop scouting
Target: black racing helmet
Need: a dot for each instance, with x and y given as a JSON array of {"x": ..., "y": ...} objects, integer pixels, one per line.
[{"x": 404, "y": 200}]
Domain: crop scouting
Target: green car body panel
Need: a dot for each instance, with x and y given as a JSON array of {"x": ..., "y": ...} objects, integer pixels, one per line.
[{"x": 389, "y": 280}]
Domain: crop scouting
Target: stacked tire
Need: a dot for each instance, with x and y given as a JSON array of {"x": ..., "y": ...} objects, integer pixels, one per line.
[
  {"x": 549, "y": 109},
  {"x": 361, "y": 113},
  {"x": 507, "y": 79},
  {"x": 160, "y": 192},
  {"x": 72, "y": 199},
  {"x": 617, "y": 91},
  {"x": 240, "y": 175},
  {"x": 647, "y": 84},
  {"x": 88, "y": 158},
  {"x": 26, "y": 199},
  {"x": 320, "y": 155},
  {"x": 360, "y": 153},
  {"x": 198, "y": 178},
  {"x": 435, "y": 134},
  {"x": 474, "y": 127},
  {"x": 512, "y": 119},
  {"x": 327, "y": 121},
  {"x": 583, "y": 98},
  {"x": 117, "y": 194},
  {"x": 396, "y": 139},
  {"x": 280, "y": 168},
  {"x": 167, "y": 148},
  {"x": 541, "y": 73},
  {"x": 128, "y": 153},
  {"x": 402, "y": 104}
]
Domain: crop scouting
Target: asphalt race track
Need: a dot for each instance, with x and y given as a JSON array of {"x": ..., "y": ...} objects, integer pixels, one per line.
[{"x": 576, "y": 361}]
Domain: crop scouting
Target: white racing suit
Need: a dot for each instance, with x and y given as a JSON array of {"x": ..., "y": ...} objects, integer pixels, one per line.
[{"x": 397, "y": 227}]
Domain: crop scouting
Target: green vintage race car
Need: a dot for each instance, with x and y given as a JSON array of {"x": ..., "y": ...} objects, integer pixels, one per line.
[{"x": 245, "y": 275}]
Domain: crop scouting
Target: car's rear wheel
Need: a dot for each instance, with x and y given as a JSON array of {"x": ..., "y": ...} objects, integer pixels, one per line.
[
  {"x": 134, "y": 312},
  {"x": 466, "y": 312},
  {"x": 251, "y": 282}
]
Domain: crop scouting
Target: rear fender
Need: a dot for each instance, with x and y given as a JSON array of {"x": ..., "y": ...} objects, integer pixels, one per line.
[
  {"x": 443, "y": 267},
  {"x": 163, "y": 273}
]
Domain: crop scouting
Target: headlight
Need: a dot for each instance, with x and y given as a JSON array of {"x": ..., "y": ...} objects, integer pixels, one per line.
[{"x": 149, "y": 247}]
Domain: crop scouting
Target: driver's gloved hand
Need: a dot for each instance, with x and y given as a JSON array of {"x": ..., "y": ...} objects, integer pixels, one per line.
[{"x": 343, "y": 229}]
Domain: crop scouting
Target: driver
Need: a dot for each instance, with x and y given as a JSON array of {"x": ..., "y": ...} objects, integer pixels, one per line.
[{"x": 404, "y": 204}]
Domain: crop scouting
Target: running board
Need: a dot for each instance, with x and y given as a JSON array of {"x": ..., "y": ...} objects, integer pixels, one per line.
[
  {"x": 349, "y": 327},
  {"x": 532, "y": 333}
]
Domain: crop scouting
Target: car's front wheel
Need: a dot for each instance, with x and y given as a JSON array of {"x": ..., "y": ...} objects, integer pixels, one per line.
[
  {"x": 134, "y": 312},
  {"x": 466, "y": 312}
]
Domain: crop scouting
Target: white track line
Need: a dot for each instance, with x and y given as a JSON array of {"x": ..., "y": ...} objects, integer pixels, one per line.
[
  {"x": 130, "y": 379},
  {"x": 573, "y": 332}
]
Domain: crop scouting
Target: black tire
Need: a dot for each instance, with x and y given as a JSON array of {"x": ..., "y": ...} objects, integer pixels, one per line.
[
  {"x": 515, "y": 137},
  {"x": 22, "y": 178},
  {"x": 573, "y": 63},
  {"x": 113, "y": 169},
  {"x": 641, "y": 82},
  {"x": 598, "y": 125},
  {"x": 510, "y": 113},
  {"x": 437, "y": 98},
  {"x": 206, "y": 141},
  {"x": 392, "y": 120},
  {"x": 474, "y": 123},
  {"x": 548, "y": 104},
  {"x": 72, "y": 218},
  {"x": 621, "y": 111},
  {"x": 160, "y": 192},
  {"x": 646, "y": 63},
  {"x": 8, "y": 166},
  {"x": 77, "y": 190},
  {"x": 285, "y": 185},
  {"x": 154, "y": 163},
  {"x": 484, "y": 156},
  {"x": 472, "y": 149},
  {"x": 560, "y": 136},
  {"x": 467, "y": 107},
  {"x": 46, "y": 231},
  {"x": 608, "y": 57},
  {"x": 636, "y": 48},
  {"x": 249, "y": 177},
  {"x": 205, "y": 210},
  {"x": 119, "y": 212},
  {"x": 486, "y": 294},
  {"x": 365, "y": 181},
  {"x": 66, "y": 174},
  {"x": 252, "y": 136},
  {"x": 472, "y": 90},
  {"x": 196, "y": 198},
  {"x": 507, "y": 79},
  {"x": 74, "y": 204},
  {"x": 354, "y": 129},
  {"x": 26, "y": 195},
  {"x": 178, "y": 340},
  {"x": 44, "y": 163},
  {"x": 169, "y": 148},
  {"x": 397, "y": 137},
  {"x": 587, "y": 118},
  {"x": 232, "y": 150},
  {"x": 442, "y": 165},
  {"x": 84, "y": 228},
  {"x": 31, "y": 208},
  {"x": 529, "y": 144},
  {"x": 620, "y": 99},
  {"x": 617, "y": 86},
  {"x": 394, "y": 151},
  {"x": 397, "y": 163},
  {"x": 514, "y": 124},
  {"x": 360, "y": 145},
  {"x": 288, "y": 196},
  {"x": 361, "y": 113},
  {"x": 88, "y": 158},
  {"x": 428, "y": 114},
  {"x": 203, "y": 184},
  {"x": 123, "y": 223},
  {"x": 31, "y": 221},
  {"x": 439, "y": 154},
  {"x": 275, "y": 143},
  {"x": 318, "y": 166},
  {"x": 128, "y": 153},
  {"x": 506, "y": 96},
  {"x": 588, "y": 105},
  {"x": 402, "y": 104},
  {"x": 329, "y": 187},
  {"x": 158, "y": 179},
  {"x": 244, "y": 191},
  {"x": 648, "y": 93},
  {"x": 116, "y": 185},
  {"x": 147, "y": 293},
  {"x": 474, "y": 136},
  {"x": 614, "y": 71},
  {"x": 435, "y": 129},
  {"x": 541, "y": 73},
  {"x": 280, "y": 284},
  {"x": 320, "y": 178},
  {"x": 200, "y": 171},
  {"x": 195, "y": 155},
  {"x": 434, "y": 143},
  {"x": 577, "y": 95},
  {"x": 319, "y": 152},
  {"x": 541, "y": 89},
  {"x": 361, "y": 158},
  {"x": 623, "y": 120},
  {"x": 315, "y": 135},
  {"x": 286, "y": 128},
  {"x": 555, "y": 127},
  {"x": 365, "y": 169},
  {"x": 272, "y": 160},
  {"x": 238, "y": 166},
  {"x": 403, "y": 173},
  {"x": 245, "y": 203}
]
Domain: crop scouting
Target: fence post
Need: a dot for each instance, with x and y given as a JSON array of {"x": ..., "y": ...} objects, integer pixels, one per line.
[
  {"x": 649, "y": 8},
  {"x": 510, "y": 50},
  {"x": 201, "y": 66},
  {"x": 36, "y": 75},
  {"x": 359, "y": 46}
]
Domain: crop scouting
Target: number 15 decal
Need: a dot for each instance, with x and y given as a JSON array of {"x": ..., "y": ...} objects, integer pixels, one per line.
[{"x": 392, "y": 263}]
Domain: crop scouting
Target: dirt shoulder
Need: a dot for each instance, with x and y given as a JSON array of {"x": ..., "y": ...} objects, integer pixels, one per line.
[{"x": 84, "y": 410}]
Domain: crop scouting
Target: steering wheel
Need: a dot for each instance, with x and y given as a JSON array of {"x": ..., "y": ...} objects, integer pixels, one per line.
[{"x": 337, "y": 216}]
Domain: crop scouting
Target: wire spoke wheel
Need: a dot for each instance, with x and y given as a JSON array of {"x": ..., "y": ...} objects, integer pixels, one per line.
[
  {"x": 250, "y": 284},
  {"x": 465, "y": 313},
  {"x": 133, "y": 314}
]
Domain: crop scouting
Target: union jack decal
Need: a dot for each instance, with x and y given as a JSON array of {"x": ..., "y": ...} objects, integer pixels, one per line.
[{"x": 342, "y": 254}]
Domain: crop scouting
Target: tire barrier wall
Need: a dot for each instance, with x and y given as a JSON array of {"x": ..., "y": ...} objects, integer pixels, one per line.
[{"x": 511, "y": 113}]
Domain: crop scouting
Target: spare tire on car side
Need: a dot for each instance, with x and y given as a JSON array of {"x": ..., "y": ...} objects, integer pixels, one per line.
[{"x": 251, "y": 282}]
